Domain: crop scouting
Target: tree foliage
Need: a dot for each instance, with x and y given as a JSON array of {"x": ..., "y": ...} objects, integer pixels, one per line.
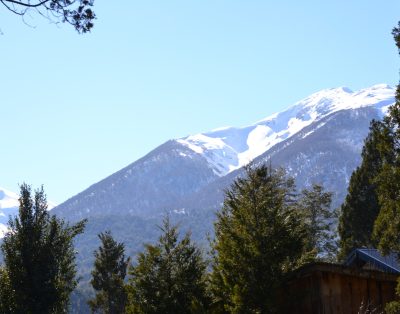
[
  {"x": 169, "y": 276},
  {"x": 109, "y": 273},
  {"x": 6, "y": 294},
  {"x": 39, "y": 258},
  {"x": 387, "y": 225},
  {"x": 259, "y": 237},
  {"x": 373, "y": 203},
  {"x": 78, "y": 13},
  {"x": 361, "y": 206},
  {"x": 315, "y": 208}
]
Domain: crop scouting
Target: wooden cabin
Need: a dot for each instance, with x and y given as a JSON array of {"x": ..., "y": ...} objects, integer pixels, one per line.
[{"x": 365, "y": 279}]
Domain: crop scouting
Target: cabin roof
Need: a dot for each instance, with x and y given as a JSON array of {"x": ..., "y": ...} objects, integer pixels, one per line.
[{"x": 374, "y": 258}]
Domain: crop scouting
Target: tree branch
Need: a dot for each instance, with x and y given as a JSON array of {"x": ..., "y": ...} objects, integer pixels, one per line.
[
  {"x": 11, "y": 9},
  {"x": 24, "y": 4}
]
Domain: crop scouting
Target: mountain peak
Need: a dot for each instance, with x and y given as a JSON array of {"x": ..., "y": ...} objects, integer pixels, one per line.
[
  {"x": 381, "y": 86},
  {"x": 227, "y": 149}
]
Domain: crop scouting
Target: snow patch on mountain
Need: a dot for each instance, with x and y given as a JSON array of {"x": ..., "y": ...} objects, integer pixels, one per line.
[
  {"x": 227, "y": 149},
  {"x": 8, "y": 199}
]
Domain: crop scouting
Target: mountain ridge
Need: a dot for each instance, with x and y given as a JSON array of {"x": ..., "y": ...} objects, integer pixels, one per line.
[{"x": 229, "y": 148}]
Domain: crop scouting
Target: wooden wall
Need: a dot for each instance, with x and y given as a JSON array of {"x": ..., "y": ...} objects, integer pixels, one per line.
[{"x": 334, "y": 289}]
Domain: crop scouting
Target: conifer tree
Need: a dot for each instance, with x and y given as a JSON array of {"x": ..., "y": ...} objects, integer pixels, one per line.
[
  {"x": 169, "y": 277},
  {"x": 315, "y": 208},
  {"x": 259, "y": 237},
  {"x": 109, "y": 273},
  {"x": 6, "y": 294},
  {"x": 387, "y": 225},
  {"x": 39, "y": 257},
  {"x": 361, "y": 207}
]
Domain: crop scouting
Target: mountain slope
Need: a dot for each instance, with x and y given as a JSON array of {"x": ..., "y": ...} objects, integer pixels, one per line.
[{"x": 146, "y": 188}]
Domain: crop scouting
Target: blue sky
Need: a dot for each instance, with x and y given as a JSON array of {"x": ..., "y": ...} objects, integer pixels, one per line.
[{"x": 76, "y": 108}]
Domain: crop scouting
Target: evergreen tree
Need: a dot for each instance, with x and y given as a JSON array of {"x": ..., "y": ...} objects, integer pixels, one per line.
[
  {"x": 109, "y": 272},
  {"x": 6, "y": 295},
  {"x": 361, "y": 207},
  {"x": 169, "y": 277},
  {"x": 39, "y": 257},
  {"x": 259, "y": 237},
  {"x": 387, "y": 224},
  {"x": 314, "y": 206}
]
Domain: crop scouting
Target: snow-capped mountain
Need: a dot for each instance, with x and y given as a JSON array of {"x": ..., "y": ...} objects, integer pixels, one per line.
[
  {"x": 180, "y": 170},
  {"x": 230, "y": 148},
  {"x": 318, "y": 140},
  {"x": 8, "y": 206}
]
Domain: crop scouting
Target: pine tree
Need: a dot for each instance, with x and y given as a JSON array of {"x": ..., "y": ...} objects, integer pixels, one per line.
[
  {"x": 259, "y": 237},
  {"x": 109, "y": 273},
  {"x": 169, "y": 277},
  {"x": 39, "y": 257},
  {"x": 361, "y": 206},
  {"x": 315, "y": 208}
]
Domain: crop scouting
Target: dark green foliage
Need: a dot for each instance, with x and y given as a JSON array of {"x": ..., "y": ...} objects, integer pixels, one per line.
[
  {"x": 396, "y": 35},
  {"x": 133, "y": 230},
  {"x": 109, "y": 273},
  {"x": 361, "y": 207},
  {"x": 39, "y": 257},
  {"x": 314, "y": 206},
  {"x": 6, "y": 296},
  {"x": 169, "y": 276},
  {"x": 387, "y": 225},
  {"x": 259, "y": 238},
  {"x": 380, "y": 184},
  {"x": 78, "y": 13}
]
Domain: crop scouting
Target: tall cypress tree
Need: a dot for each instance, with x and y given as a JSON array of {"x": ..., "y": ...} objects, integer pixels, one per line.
[
  {"x": 361, "y": 206},
  {"x": 109, "y": 272},
  {"x": 39, "y": 257},
  {"x": 259, "y": 237}
]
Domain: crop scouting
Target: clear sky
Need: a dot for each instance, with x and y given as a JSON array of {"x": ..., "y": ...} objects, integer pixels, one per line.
[{"x": 76, "y": 108}]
